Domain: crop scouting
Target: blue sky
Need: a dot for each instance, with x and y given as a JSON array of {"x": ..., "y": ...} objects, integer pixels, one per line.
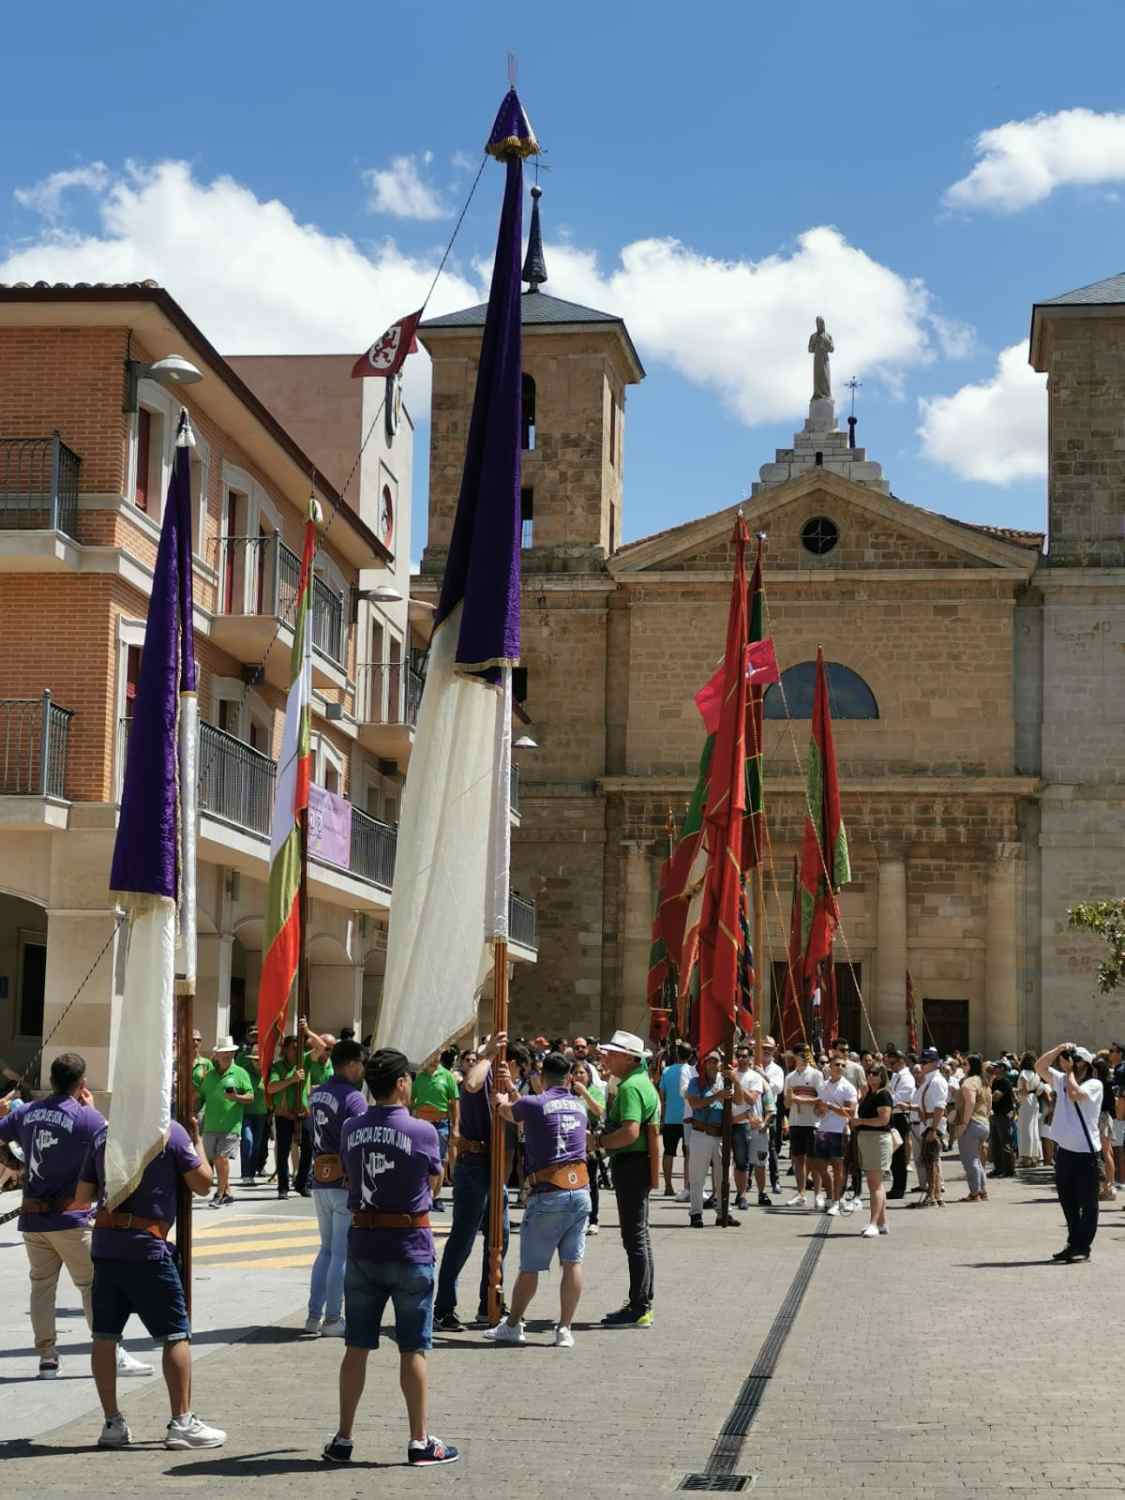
[{"x": 718, "y": 183}]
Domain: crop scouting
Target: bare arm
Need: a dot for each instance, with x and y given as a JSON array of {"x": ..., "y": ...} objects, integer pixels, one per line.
[
  {"x": 1047, "y": 1062},
  {"x": 624, "y": 1135},
  {"x": 477, "y": 1076}
]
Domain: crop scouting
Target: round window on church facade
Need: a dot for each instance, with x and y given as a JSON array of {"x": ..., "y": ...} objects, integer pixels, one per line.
[{"x": 819, "y": 535}]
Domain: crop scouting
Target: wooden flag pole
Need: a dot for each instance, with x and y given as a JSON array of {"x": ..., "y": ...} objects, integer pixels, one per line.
[
  {"x": 761, "y": 963},
  {"x": 184, "y": 1101},
  {"x": 498, "y": 1156}
]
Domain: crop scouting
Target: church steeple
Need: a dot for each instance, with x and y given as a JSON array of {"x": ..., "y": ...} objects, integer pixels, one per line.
[{"x": 534, "y": 266}]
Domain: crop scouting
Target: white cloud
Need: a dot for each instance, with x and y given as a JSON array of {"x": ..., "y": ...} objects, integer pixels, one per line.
[
  {"x": 254, "y": 279},
  {"x": 1024, "y": 161},
  {"x": 398, "y": 190},
  {"x": 994, "y": 432},
  {"x": 741, "y": 327},
  {"x": 46, "y": 197}
]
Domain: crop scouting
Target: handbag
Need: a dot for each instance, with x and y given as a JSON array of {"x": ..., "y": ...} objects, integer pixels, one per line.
[{"x": 896, "y": 1140}]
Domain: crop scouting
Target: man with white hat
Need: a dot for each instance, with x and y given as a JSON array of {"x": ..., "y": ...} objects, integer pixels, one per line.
[
  {"x": 225, "y": 1091},
  {"x": 633, "y": 1116}
]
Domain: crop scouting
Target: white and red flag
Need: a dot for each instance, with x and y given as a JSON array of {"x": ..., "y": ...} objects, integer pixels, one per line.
[
  {"x": 387, "y": 354},
  {"x": 761, "y": 670}
]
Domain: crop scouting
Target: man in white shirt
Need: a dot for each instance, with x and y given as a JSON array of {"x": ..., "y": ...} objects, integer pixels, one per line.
[
  {"x": 931, "y": 1098},
  {"x": 802, "y": 1118},
  {"x": 775, "y": 1077},
  {"x": 749, "y": 1138},
  {"x": 901, "y": 1085},
  {"x": 835, "y": 1106},
  {"x": 1074, "y": 1130}
]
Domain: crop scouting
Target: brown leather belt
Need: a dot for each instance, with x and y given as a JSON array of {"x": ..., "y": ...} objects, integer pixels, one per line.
[
  {"x": 371, "y": 1218},
  {"x": 707, "y": 1129},
  {"x": 568, "y": 1176},
  {"x": 107, "y": 1219},
  {"x": 430, "y": 1112},
  {"x": 44, "y": 1205},
  {"x": 471, "y": 1148}
]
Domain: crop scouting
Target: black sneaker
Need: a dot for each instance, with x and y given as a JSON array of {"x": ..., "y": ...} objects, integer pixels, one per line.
[
  {"x": 338, "y": 1451},
  {"x": 227, "y": 1198},
  {"x": 730, "y": 1222},
  {"x": 437, "y": 1206},
  {"x": 696, "y": 1221},
  {"x": 449, "y": 1323},
  {"x": 620, "y": 1318},
  {"x": 764, "y": 1200},
  {"x": 711, "y": 1202},
  {"x": 435, "y": 1452}
]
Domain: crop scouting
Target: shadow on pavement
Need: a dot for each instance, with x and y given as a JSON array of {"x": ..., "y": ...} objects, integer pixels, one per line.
[
  {"x": 262, "y": 1465},
  {"x": 1001, "y": 1265},
  {"x": 270, "y": 1333},
  {"x": 28, "y": 1448}
]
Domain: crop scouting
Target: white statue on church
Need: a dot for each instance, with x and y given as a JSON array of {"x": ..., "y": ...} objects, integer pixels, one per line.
[{"x": 820, "y": 347}]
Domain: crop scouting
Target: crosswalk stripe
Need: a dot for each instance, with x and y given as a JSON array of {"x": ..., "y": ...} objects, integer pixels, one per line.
[
  {"x": 242, "y": 1247},
  {"x": 256, "y": 1226}
]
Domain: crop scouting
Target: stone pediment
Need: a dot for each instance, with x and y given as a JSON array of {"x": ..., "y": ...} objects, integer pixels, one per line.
[{"x": 876, "y": 533}]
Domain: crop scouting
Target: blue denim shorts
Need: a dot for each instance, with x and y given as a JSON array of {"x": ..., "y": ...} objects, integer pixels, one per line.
[
  {"x": 150, "y": 1288},
  {"x": 368, "y": 1284},
  {"x": 554, "y": 1221},
  {"x": 751, "y": 1148},
  {"x": 829, "y": 1145}
]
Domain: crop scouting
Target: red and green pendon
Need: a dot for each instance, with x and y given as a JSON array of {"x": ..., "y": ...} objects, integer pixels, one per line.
[
  {"x": 825, "y": 865},
  {"x": 281, "y": 944}
]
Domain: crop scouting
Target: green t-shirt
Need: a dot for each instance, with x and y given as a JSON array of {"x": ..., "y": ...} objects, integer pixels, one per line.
[
  {"x": 635, "y": 1099},
  {"x": 199, "y": 1071},
  {"x": 285, "y": 1100},
  {"x": 249, "y": 1064},
  {"x": 221, "y": 1115},
  {"x": 597, "y": 1095},
  {"x": 317, "y": 1070},
  {"x": 437, "y": 1089}
]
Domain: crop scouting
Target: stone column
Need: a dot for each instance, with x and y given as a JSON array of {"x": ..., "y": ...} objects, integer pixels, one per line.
[
  {"x": 635, "y": 937},
  {"x": 211, "y": 1011},
  {"x": 1001, "y": 965},
  {"x": 889, "y": 1012},
  {"x": 336, "y": 997}
]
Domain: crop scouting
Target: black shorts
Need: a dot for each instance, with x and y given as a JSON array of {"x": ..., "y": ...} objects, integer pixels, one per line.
[
  {"x": 801, "y": 1139},
  {"x": 673, "y": 1137},
  {"x": 829, "y": 1145}
]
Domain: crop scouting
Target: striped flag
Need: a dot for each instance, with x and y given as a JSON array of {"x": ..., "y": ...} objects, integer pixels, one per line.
[
  {"x": 792, "y": 1013},
  {"x": 825, "y": 863},
  {"x": 911, "y": 1018},
  {"x": 153, "y": 871},
  {"x": 281, "y": 940}
]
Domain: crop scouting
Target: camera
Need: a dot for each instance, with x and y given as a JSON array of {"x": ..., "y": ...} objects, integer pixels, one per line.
[{"x": 1067, "y": 1054}]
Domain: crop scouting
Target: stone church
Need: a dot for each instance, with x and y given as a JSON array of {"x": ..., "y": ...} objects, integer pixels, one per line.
[{"x": 976, "y": 682}]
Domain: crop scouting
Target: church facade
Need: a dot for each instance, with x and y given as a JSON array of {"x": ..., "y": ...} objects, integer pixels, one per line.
[{"x": 976, "y": 676}]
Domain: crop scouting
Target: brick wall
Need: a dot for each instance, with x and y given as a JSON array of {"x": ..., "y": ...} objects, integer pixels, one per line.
[{"x": 1086, "y": 441}]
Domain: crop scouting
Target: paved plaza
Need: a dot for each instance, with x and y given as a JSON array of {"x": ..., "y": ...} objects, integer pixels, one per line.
[{"x": 950, "y": 1358}]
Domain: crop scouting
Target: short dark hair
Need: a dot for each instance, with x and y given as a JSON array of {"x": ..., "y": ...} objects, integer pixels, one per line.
[
  {"x": 841, "y": 1041},
  {"x": 347, "y": 1033},
  {"x": 518, "y": 1053},
  {"x": 384, "y": 1069},
  {"x": 67, "y": 1071},
  {"x": 976, "y": 1065},
  {"x": 345, "y": 1052},
  {"x": 683, "y": 1051},
  {"x": 557, "y": 1065},
  {"x": 448, "y": 1057}
]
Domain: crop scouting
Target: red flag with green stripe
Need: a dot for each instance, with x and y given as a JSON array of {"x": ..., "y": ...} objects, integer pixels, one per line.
[
  {"x": 281, "y": 942},
  {"x": 677, "y": 881},
  {"x": 825, "y": 865}
]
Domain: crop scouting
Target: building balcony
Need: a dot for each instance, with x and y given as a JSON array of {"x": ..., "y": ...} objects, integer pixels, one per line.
[
  {"x": 522, "y": 931},
  {"x": 390, "y": 697},
  {"x": 34, "y": 743},
  {"x": 38, "y": 504},
  {"x": 258, "y": 581}
]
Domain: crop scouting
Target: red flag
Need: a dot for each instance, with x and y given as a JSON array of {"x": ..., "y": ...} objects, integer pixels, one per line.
[
  {"x": 761, "y": 670},
  {"x": 387, "y": 354},
  {"x": 911, "y": 1020},
  {"x": 792, "y": 1011}
]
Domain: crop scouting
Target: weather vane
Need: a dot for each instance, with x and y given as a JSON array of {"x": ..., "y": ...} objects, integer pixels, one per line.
[{"x": 854, "y": 385}]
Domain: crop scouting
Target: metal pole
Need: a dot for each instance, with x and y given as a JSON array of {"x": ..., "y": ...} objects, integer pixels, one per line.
[
  {"x": 185, "y": 999},
  {"x": 497, "y": 1161},
  {"x": 44, "y": 741}
]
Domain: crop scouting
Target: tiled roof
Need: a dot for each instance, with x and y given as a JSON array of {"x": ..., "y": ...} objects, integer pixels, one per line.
[
  {"x": 1097, "y": 294},
  {"x": 536, "y": 307},
  {"x": 77, "y": 286}
]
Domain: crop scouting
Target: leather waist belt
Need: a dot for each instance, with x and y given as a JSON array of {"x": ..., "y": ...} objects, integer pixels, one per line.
[
  {"x": 471, "y": 1148},
  {"x": 328, "y": 1169},
  {"x": 707, "y": 1129},
  {"x": 430, "y": 1112},
  {"x": 371, "y": 1218},
  {"x": 107, "y": 1219},
  {"x": 568, "y": 1176},
  {"x": 44, "y": 1205}
]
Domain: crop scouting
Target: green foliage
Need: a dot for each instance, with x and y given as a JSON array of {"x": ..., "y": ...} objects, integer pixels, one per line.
[{"x": 1106, "y": 919}]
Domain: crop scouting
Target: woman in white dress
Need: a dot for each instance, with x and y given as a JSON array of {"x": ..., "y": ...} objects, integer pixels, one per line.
[{"x": 1028, "y": 1088}]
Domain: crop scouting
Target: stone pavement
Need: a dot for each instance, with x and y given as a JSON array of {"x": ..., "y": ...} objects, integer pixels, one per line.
[{"x": 950, "y": 1358}]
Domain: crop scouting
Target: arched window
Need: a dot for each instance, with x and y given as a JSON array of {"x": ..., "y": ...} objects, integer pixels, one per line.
[
  {"x": 849, "y": 697},
  {"x": 528, "y": 413}
]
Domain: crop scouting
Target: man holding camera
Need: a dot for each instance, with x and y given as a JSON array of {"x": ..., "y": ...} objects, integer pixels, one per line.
[{"x": 1078, "y": 1101}]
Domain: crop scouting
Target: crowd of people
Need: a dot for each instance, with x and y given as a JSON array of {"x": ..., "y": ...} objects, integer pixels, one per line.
[{"x": 381, "y": 1144}]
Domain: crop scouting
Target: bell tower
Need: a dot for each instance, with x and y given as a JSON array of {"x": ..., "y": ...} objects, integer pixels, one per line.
[{"x": 577, "y": 365}]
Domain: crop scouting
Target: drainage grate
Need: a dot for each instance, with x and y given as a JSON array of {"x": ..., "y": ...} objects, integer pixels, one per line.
[{"x": 726, "y": 1483}]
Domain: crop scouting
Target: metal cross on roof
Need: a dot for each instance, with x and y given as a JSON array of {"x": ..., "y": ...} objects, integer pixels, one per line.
[{"x": 854, "y": 385}]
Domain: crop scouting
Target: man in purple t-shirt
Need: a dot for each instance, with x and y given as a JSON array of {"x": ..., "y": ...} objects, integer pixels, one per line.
[
  {"x": 135, "y": 1272},
  {"x": 392, "y": 1163},
  {"x": 331, "y": 1105},
  {"x": 55, "y": 1136},
  {"x": 558, "y": 1209}
]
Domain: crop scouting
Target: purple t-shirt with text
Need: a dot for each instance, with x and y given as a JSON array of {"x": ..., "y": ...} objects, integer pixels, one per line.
[
  {"x": 331, "y": 1104},
  {"x": 55, "y": 1136},
  {"x": 389, "y": 1158},
  {"x": 554, "y": 1128},
  {"x": 155, "y": 1198}
]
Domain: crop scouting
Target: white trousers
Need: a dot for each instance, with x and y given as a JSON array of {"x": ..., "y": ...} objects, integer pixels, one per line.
[{"x": 704, "y": 1151}]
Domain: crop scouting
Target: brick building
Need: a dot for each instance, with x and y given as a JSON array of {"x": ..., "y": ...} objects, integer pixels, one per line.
[
  {"x": 976, "y": 675},
  {"x": 86, "y": 440}
]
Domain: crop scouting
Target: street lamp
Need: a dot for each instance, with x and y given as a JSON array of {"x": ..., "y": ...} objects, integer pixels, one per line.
[
  {"x": 172, "y": 370},
  {"x": 384, "y": 594},
  {"x": 525, "y": 742}
]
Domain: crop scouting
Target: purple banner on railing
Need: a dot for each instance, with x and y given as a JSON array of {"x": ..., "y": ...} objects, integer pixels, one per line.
[{"x": 330, "y": 827}]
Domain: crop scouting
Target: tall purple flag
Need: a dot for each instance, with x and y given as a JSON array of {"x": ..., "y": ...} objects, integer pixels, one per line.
[
  {"x": 153, "y": 872},
  {"x": 451, "y": 873}
]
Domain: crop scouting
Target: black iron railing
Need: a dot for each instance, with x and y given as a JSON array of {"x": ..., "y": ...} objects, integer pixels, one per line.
[
  {"x": 260, "y": 575},
  {"x": 394, "y": 694},
  {"x": 515, "y": 789},
  {"x": 38, "y": 485},
  {"x": 34, "y": 740},
  {"x": 521, "y": 922},
  {"x": 373, "y": 849},
  {"x": 236, "y": 782}
]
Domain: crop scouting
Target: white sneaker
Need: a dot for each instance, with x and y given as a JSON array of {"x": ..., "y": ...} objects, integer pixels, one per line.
[
  {"x": 333, "y": 1330},
  {"x": 833, "y": 1209},
  {"x": 684, "y": 1197},
  {"x": 592, "y": 1229},
  {"x": 127, "y": 1365},
  {"x": 115, "y": 1433},
  {"x": 849, "y": 1205},
  {"x": 312, "y": 1325},
  {"x": 800, "y": 1201},
  {"x": 871, "y": 1232},
  {"x": 49, "y": 1369},
  {"x": 820, "y": 1202},
  {"x": 190, "y": 1432},
  {"x": 883, "y": 1229},
  {"x": 504, "y": 1333},
  {"x": 564, "y": 1339}
]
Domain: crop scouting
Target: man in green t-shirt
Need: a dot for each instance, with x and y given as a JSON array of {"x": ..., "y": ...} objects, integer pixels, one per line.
[
  {"x": 200, "y": 1067},
  {"x": 226, "y": 1090},
  {"x": 256, "y": 1116},
  {"x": 436, "y": 1097},
  {"x": 634, "y": 1108}
]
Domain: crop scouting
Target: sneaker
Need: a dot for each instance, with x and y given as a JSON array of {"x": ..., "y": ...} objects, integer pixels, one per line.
[
  {"x": 191, "y": 1432},
  {"x": 711, "y": 1202},
  {"x": 432, "y": 1451},
  {"x": 337, "y": 1451},
  {"x": 437, "y": 1206},
  {"x": 820, "y": 1202},
  {"x": 833, "y": 1209},
  {"x": 800, "y": 1201},
  {"x": 643, "y": 1320},
  {"x": 249, "y": 1182},
  {"x": 696, "y": 1221},
  {"x": 127, "y": 1365},
  {"x": 619, "y": 1318},
  {"x": 312, "y": 1326},
  {"x": 849, "y": 1205},
  {"x": 449, "y": 1323},
  {"x": 883, "y": 1229},
  {"x": 592, "y": 1229},
  {"x": 333, "y": 1328},
  {"x": 505, "y": 1333},
  {"x": 115, "y": 1433},
  {"x": 742, "y": 1201},
  {"x": 48, "y": 1369},
  {"x": 683, "y": 1197},
  {"x": 281, "y": 1197},
  {"x": 226, "y": 1199},
  {"x": 764, "y": 1200},
  {"x": 216, "y": 1202},
  {"x": 564, "y": 1339},
  {"x": 730, "y": 1222},
  {"x": 871, "y": 1232}
]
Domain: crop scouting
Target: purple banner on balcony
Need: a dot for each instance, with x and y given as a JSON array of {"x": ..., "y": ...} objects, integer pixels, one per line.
[{"x": 330, "y": 827}]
